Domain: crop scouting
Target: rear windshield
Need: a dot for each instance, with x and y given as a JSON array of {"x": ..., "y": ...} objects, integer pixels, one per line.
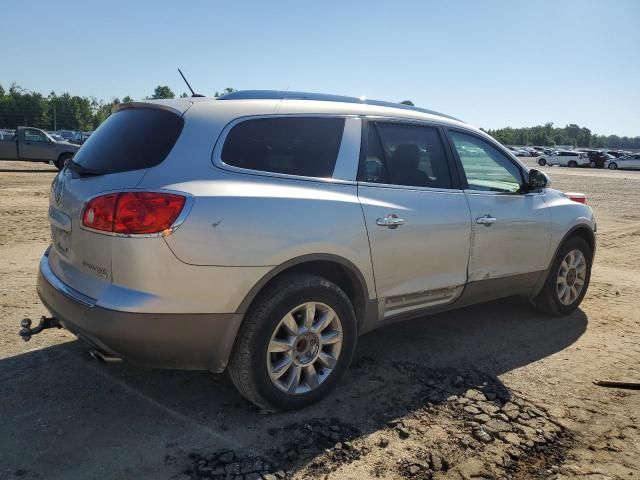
[
  {"x": 306, "y": 146},
  {"x": 131, "y": 139}
]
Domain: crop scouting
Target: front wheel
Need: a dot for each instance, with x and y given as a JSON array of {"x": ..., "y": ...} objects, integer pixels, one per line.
[
  {"x": 613, "y": 166},
  {"x": 572, "y": 164},
  {"x": 295, "y": 343},
  {"x": 567, "y": 280},
  {"x": 542, "y": 162}
]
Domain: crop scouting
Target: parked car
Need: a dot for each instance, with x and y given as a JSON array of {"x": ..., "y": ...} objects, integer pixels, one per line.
[
  {"x": 262, "y": 232},
  {"x": 630, "y": 162},
  {"x": 597, "y": 158},
  {"x": 35, "y": 145},
  {"x": 615, "y": 153},
  {"x": 565, "y": 158},
  {"x": 519, "y": 152}
]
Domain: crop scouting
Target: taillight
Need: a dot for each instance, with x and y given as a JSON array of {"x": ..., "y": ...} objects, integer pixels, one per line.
[
  {"x": 577, "y": 197},
  {"x": 133, "y": 213}
]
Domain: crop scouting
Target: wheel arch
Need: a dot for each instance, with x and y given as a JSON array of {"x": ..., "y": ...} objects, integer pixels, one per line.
[
  {"x": 336, "y": 269},
  {"x": 580, "y": 230}
]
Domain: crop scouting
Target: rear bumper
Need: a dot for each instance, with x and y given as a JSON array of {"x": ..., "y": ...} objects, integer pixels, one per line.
[{"x": 178, "y": 341}]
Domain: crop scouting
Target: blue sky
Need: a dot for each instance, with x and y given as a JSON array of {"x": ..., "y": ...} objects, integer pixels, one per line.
[{"x": 492, "y": 63}]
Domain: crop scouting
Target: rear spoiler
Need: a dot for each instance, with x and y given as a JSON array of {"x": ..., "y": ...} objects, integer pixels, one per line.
[{"x": 170, "y": 106}]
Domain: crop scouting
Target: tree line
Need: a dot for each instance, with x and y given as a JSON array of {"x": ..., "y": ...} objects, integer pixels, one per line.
[
  {"x": 22, "y": 107},
  {"x": 572, "y": 134},
  {"x": 19, "y": 106}
]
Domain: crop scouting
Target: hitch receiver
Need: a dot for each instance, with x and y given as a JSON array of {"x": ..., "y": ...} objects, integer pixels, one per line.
[{"x": 45, "y": 322}]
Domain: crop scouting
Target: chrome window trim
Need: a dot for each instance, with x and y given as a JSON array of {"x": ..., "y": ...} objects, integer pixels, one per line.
[
  {"x": 409, "y": 187},
  {"x": 188, "y": 204},
  {"x": 511, "y": 194},
  {"x": 62, "y": 287},
  {"x": 341, "y": 167}
]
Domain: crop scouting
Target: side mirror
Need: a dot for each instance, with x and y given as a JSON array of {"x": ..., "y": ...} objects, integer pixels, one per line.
[{"x": 538, "y": 180}]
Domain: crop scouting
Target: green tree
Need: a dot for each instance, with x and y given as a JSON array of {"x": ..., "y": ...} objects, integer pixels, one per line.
[
  {"x": 225, "y": 92},
  {"x": 162, "y": 91}
]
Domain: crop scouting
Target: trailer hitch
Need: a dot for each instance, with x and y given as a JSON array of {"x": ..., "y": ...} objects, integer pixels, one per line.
[{"x": 45, "y": 322}]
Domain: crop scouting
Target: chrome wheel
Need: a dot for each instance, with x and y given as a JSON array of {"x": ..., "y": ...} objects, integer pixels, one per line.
[
  {"x": 571, "y": 277},
  {"x": 304, "y": 348}
]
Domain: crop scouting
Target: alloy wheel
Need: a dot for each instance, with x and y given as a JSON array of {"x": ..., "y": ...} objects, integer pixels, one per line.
[
  {"x": 571, "y": 277},
  {"x": 304, "y": 348}
]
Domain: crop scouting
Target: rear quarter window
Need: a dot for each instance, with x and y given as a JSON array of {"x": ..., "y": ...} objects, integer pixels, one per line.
[
  {"x": 131, "y": 139},
  {"x": 304, "y": 146}
]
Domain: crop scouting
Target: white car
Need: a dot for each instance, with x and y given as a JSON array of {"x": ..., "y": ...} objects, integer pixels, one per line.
[
  {"x": 630, "y": 162},
  {"x": 565, "y": 158}
]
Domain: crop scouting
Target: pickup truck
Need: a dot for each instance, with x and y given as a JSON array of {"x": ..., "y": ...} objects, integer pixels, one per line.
[{"x": 34, "y": 145}]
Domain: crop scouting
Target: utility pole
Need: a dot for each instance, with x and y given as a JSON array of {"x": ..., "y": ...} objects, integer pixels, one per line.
[{"x": 55, "y": 125}]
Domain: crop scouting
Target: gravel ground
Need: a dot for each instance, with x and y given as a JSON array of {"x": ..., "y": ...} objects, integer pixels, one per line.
[{"x": 490, "y": 391}]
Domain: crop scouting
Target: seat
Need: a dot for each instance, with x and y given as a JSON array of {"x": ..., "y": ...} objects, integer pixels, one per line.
[{"x": 404, "y": 166}]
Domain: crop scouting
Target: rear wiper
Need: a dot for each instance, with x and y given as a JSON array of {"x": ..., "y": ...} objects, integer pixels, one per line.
[{"x": 82, "y": 171}]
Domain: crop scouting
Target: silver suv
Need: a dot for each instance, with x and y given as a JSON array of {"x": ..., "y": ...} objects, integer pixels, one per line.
[{"x": 263, "y": 232}]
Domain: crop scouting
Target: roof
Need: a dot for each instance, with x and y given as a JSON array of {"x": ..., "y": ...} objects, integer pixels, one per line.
[{"x": 322, "y": 97}]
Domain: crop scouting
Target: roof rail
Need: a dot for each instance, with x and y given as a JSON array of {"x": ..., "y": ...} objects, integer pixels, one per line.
[{"x": 323, "y": 97}]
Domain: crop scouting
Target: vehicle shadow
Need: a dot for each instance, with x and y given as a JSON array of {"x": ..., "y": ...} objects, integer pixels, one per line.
[{"x": 70, "y": 417}]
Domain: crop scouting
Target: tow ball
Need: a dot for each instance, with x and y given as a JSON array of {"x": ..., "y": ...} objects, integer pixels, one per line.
[{"x": 45, "y": 322}]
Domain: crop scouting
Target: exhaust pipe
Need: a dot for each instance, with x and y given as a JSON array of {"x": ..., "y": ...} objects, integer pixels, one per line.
[{"x": 103, "y": 357}]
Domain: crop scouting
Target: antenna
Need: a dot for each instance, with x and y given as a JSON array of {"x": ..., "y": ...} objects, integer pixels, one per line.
[{"x": 193, "y": 94}]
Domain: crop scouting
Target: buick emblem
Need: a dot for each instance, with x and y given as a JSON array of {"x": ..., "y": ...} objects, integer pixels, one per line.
[{"x": 58, "y": 187}]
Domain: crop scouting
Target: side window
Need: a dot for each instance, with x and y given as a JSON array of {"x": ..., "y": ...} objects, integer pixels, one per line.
[
  {"x": 33, "y": 136},
  {"x": 306, "y": 146},
  {"x": 485, "y": 167},
  {"x": 408, "y": 155}
]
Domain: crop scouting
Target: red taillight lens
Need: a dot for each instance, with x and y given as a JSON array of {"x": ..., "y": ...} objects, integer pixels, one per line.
[
  {"x": 99, "y": 213},
  {"x": 133, "y": 213},
  {"x": 577, "y": 197}
]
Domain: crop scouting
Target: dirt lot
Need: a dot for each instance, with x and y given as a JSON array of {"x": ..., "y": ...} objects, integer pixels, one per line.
[{"x": 492, "y": 391}]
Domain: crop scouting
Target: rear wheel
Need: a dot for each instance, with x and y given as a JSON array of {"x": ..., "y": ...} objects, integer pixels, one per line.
[
  {"x": 62, "y": 160},
  {"x": 613, "y": 166},
  {"x": 567, "y": 280},
  {"x": 572, "y": 164},
  {"x": 542, "y": 162},
  {"x": 295, "y": 343}
]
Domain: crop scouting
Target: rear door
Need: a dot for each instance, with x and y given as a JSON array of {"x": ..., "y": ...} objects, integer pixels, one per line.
[
  {"x": 416, "y": 217},
  {"x": 35, "y": 145},
  {"x": 510, "y": 229},
  {"x": 115, "y": 158}
]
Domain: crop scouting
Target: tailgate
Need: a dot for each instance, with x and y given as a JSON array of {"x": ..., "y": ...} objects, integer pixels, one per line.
[{"x": 115, "y": 158}]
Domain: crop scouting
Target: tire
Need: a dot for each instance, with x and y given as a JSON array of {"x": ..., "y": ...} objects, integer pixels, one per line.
[
  {"x": 613, "y": 166},
  {"x": 549, "y": 299},
  {"x": 542, "y": 162},
  {"x": 251, "y": 360},
  {"x": 572, "y": 164},
  {"x": 62, "y": 160}
]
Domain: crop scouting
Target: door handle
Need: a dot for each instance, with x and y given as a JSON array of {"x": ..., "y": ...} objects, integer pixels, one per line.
[
  {"x": 486, "y": 220},
  {"x": 390, "y": 221}
]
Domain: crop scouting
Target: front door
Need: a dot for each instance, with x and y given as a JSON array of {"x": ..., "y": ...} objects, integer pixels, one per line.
[
  {"x": 34, "y": 145},
  {"x": 418, "y": 223},
  {"x": 511, "y": 231}
]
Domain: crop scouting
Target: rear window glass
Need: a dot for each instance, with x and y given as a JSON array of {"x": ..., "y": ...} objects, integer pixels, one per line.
[
  {"x": 306, "y": 146},
  {"x": 131, "y": 139}
]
